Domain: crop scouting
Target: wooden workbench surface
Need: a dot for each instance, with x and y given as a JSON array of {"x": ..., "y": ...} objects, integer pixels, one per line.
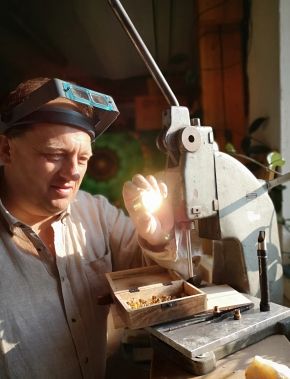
[{"x": 276, "y": 348}]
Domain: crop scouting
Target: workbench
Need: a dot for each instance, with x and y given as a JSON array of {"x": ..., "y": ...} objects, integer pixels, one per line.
[
  {"x": 234, "y": 342},
  {"x": 199, "y": 348},
  {"x": 276, "y": 348}
]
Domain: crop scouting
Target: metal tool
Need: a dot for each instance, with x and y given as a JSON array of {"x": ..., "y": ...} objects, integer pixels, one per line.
[
  {"x": 216, "y": 190},
  {"x": 263, "y": 273},
  {"x": 208, "y": 317},
  {"x": 230, "y": 206}
]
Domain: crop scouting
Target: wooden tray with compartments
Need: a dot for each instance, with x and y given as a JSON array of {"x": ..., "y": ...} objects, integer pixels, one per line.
[{"x": 152, "y": 295}]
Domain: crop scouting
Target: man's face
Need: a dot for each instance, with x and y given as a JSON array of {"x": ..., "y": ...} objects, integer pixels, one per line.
[{"x": 45, "y": 168}]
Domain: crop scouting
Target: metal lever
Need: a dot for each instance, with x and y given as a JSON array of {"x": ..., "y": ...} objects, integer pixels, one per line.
[
  {"x": 276, "y": 182},
  {"x": 143, "y": 51}
]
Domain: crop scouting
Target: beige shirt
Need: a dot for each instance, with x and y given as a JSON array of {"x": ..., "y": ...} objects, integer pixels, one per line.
[{"x": 52, "y": 321}]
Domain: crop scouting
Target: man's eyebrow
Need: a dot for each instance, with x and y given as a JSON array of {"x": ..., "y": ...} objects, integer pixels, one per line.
[
  {"x": 54, "y": 148},
  {"x": 59, "y": 149}
]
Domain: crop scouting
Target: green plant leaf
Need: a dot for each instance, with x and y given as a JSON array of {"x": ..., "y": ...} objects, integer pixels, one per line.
[
  {"x": 275, "y": 159},
  {"x": 230, "y": 149}
]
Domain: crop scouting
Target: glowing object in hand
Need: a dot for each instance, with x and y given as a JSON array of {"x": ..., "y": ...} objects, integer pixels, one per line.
[{"x": 149, "y": 200}]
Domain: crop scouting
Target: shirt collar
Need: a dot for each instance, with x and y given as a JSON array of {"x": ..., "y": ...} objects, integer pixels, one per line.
[{"x": 11, "y": 221}]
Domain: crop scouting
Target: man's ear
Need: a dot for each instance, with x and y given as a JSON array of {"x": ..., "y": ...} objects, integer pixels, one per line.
[{"x": 4, "y": 149}]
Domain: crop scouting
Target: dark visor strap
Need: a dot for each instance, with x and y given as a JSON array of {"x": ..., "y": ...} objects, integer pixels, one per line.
[{"x": 56, "y": 115}]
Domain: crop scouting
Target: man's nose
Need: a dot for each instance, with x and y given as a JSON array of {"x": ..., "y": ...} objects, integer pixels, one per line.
[
  {"x": 75, "y": 176},
  {"x": 71, "y": 170}
]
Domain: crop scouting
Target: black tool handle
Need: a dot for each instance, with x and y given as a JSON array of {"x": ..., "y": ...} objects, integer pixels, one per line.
[{"x": 263, "y": 274}]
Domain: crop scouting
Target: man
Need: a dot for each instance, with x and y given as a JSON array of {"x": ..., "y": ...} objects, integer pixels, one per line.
[{"x": 56, "y": 242}]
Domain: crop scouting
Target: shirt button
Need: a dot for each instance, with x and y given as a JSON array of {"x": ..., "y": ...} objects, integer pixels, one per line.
[
  {"x": 86, "y": 359},
  {"x": 73, "y": 320}
]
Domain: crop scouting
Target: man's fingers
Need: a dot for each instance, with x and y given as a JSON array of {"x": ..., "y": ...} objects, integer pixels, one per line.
[
  {"x": 141, "y": 182},
  {"x": 148, "y": 183},
  {"x": 146, "y": 224},
  {"x": 130, "y": 190},
  {"x": 163, "y": 189},
  {"x": 153, "y": 182}
]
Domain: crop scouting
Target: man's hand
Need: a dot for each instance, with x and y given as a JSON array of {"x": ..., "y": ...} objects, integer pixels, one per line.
[{"x": 153, "y": 226}]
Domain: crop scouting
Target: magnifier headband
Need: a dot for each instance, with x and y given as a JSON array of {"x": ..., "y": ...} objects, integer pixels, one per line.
[
  {"x": 58, "y": 115},
  {"x": 104, "y": 110}
]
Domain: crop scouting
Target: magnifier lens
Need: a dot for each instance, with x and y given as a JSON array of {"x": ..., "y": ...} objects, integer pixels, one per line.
[
  {"x": 79, "y": 93},
  {"x": 99, "y": 99}
]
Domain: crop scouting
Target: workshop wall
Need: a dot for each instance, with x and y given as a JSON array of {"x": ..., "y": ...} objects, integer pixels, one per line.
[
  {"x": 269, "y": 79},
  {"x": 222, "y": 40},
  {"x": 263, "y": 70}
]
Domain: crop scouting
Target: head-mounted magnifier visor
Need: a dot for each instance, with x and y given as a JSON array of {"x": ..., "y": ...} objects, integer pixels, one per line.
[{"x": 33, "y": 109}]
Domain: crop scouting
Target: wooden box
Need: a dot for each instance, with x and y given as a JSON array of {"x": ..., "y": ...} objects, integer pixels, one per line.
[{"x": 154, "y": 285}]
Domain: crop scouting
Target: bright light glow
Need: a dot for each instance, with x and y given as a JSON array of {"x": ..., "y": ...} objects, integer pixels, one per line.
[{"x": 151, "y": 200}]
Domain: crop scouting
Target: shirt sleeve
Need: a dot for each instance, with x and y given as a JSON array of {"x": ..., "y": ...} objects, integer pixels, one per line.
[
  {"x": 170, "y": 257},
  {"x": 119, "y": 234},
  {"x": 128, "y": 250}
]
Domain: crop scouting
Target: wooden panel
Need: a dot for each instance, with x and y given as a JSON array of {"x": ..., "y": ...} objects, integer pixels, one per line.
[
  {"x": 148, "y": 112},
  {"x": 221, "y": 69},
  {"x": 211, "y": 81},
  {"x": 235, "y": 117},
  {"x": 220, "y": 12}
]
